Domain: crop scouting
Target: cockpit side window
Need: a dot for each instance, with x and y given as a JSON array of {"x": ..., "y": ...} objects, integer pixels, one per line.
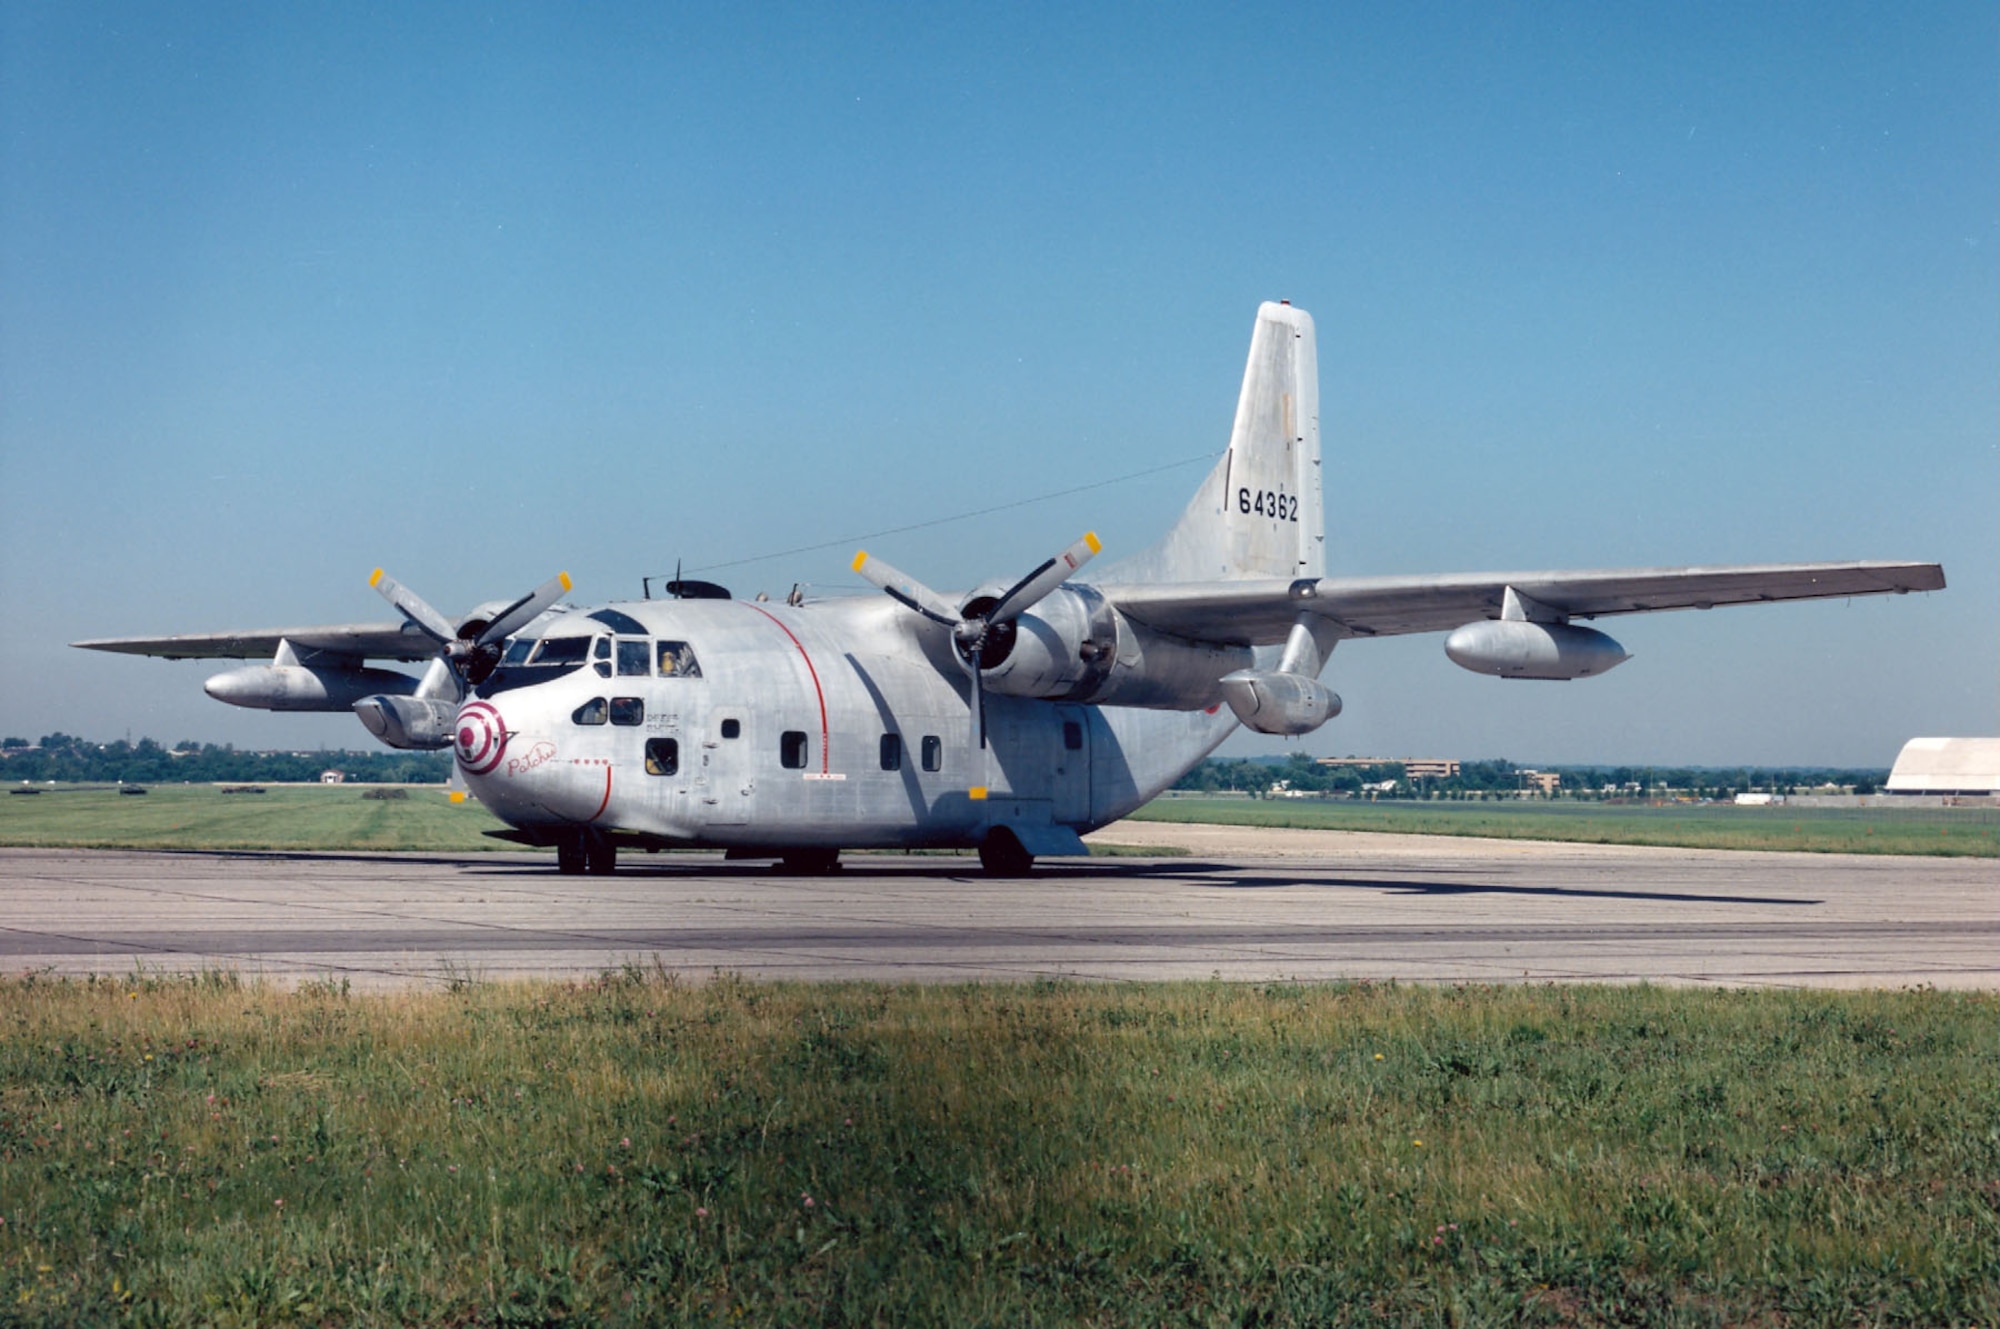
[
  {"x": 632, "y": 658},
  {"x": 677, "y": 660}
]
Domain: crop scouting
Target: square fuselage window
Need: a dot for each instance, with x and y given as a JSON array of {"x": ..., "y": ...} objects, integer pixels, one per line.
[
  {"x": 892, "y": 752},
  {"x": 628, "y": 710},
  {"x": 933, "y": 753},
  {"x": 732, "y": 728},
  {"x": 591, "y": 712},
  {"x": 792, "y": 750},
  {"x": 663, "y": 756},
  {"x": 1072, "y": 736},
  {"x": 634, "y": 659}
]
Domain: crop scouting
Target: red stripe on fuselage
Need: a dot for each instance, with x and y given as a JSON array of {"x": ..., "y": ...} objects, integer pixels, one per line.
[
  {"x": 818, "y": 691},
  {"x": 607, "y": 795}
]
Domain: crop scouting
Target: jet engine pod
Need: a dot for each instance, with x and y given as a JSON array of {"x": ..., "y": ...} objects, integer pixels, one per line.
[
  {"x": 408, "y": 722},
  {"x": 291, "y": 687},
  {"x": 1508, "y": 648},
  {"x": 1274, "y": 703}
]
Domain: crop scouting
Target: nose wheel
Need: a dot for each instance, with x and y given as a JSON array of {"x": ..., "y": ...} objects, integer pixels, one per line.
[{"x": 586, "y": 851}]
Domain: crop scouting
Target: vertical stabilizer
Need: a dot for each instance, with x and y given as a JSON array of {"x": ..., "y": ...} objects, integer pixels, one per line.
[{"x": 1258, "y": 512}]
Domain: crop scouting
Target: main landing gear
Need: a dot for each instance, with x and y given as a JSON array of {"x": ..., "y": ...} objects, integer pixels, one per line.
[
  {"x": 586, "y": 851},
  {"x": 810, "y": 862},
  {"x": 1002, "y": 854}
]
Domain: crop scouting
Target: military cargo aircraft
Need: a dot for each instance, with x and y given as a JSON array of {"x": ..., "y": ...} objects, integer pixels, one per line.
[{"x": 1011, "y": 718}]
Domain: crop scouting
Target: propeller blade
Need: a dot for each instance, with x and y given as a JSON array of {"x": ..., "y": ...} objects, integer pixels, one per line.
[
  {"x": 1031, "y": 588},
  {"x": 432, "y": 623},
  {"x": 517, "y": 615},
  {"x": 978, "y": 700},
  {"x": 906, "y": 590}
]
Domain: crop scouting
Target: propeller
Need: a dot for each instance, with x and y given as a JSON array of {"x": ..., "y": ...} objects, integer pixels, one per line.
[
  {"x": 983, "y": 628},
  {"x": 473, "y": 649}
]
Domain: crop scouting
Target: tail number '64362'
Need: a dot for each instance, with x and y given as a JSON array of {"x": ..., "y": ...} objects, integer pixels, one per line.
[{"x": 1278, "y": 506}]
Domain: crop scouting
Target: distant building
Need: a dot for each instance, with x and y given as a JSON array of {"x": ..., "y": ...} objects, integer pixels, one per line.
[
  {"x": 1415, "y": 768},
  {"x": 1544, "y": 783},
  {"x": 332, "y": 777},
  {"x": 1947, "y": 766}
]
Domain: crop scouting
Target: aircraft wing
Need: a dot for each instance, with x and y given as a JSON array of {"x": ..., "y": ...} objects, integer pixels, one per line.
[
  {"x": 381, "y": 641},
  {"x": 1261, "y": 611}
]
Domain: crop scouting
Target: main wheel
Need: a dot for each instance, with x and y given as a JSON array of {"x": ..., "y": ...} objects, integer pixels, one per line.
[
  {"x": 811, "y": 862},
  {"x": 600, "y": 855},
  {"x": 1002, "y": 854},
  {"x": 570, "y": 855}
]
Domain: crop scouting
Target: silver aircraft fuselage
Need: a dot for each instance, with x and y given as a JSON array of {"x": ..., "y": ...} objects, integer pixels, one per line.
[{"x": 837, "y": 723}]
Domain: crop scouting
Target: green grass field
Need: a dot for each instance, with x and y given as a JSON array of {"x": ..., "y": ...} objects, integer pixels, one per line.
[
  {"x": 282, "y": 817},
  {"x": 1971, "y": 832},
  {"x": 636, "y": 1152},
  {"x": 339, "y": 817}
]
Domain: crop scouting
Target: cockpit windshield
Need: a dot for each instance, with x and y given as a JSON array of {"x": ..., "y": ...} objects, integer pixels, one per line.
[{"x": 530, "y": 660}]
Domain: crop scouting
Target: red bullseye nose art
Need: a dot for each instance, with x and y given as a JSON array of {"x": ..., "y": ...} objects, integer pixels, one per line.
[{"x": 482, "y": 738}]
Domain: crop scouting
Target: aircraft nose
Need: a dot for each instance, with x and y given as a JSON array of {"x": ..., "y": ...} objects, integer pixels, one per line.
[{"x": 479, "y": 737}]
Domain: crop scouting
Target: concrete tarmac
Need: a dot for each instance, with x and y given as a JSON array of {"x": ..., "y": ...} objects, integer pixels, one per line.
[{"x": 1246, "y": 905}]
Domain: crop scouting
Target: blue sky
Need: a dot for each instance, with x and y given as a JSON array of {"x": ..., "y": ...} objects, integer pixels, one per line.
[{"x": 478, "y": 293}]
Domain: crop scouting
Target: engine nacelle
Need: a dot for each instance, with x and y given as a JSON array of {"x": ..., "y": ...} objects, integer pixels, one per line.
[
  {"x": 1275, "y": 703},
  {"x": 1073, "y": 646},
  {"x": 408, "y": 722},
  {"x": 293, "y": 687},
  {"x": 1508, "y": 648}
]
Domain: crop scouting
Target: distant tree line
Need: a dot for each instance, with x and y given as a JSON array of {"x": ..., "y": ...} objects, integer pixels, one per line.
[
  {"x": 1498, "y": 778},
  {"x": 66, "y": 757}
]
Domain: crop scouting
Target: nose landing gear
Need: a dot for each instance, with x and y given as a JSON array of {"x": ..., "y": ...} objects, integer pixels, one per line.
[{"x": 586, "y": 851}]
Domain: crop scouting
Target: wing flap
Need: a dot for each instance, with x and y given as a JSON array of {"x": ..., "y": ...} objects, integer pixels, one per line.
[{"x": 1261, "y": 612}]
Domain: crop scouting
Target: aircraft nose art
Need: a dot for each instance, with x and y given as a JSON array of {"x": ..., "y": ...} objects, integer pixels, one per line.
[
  {"x": 480, "y": 738},
  {"x": 513, "y": 764}
]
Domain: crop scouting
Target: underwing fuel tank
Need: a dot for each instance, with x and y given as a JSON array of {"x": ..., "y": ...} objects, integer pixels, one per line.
[
  {"x": 423, "y": 723},
  {"x": 294, "y": 687},
  {"x": 1278, "y": 703},
  {"x": 1508, "y": 648}
]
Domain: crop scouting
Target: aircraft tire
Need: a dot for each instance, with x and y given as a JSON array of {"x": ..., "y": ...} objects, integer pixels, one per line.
[
  {"x": 600, "y": 856},
  {"x": 570, "y": 855},
  {"x": 811, "y": 862},
  {"x": 1001, "y": 854}
]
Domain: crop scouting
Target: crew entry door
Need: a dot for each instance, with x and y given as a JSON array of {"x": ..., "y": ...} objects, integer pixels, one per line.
[{"x": 724, "y": 780}]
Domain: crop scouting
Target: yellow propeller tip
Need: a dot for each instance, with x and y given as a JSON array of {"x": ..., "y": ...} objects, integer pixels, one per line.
[
  {"x": 860, "y": 557},
  {"x": 375, "y": 577},
  {"x": 1096, "y": 545},
  {"x": 457, "y": 795},
  {"x": 563, "y": 577}
]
